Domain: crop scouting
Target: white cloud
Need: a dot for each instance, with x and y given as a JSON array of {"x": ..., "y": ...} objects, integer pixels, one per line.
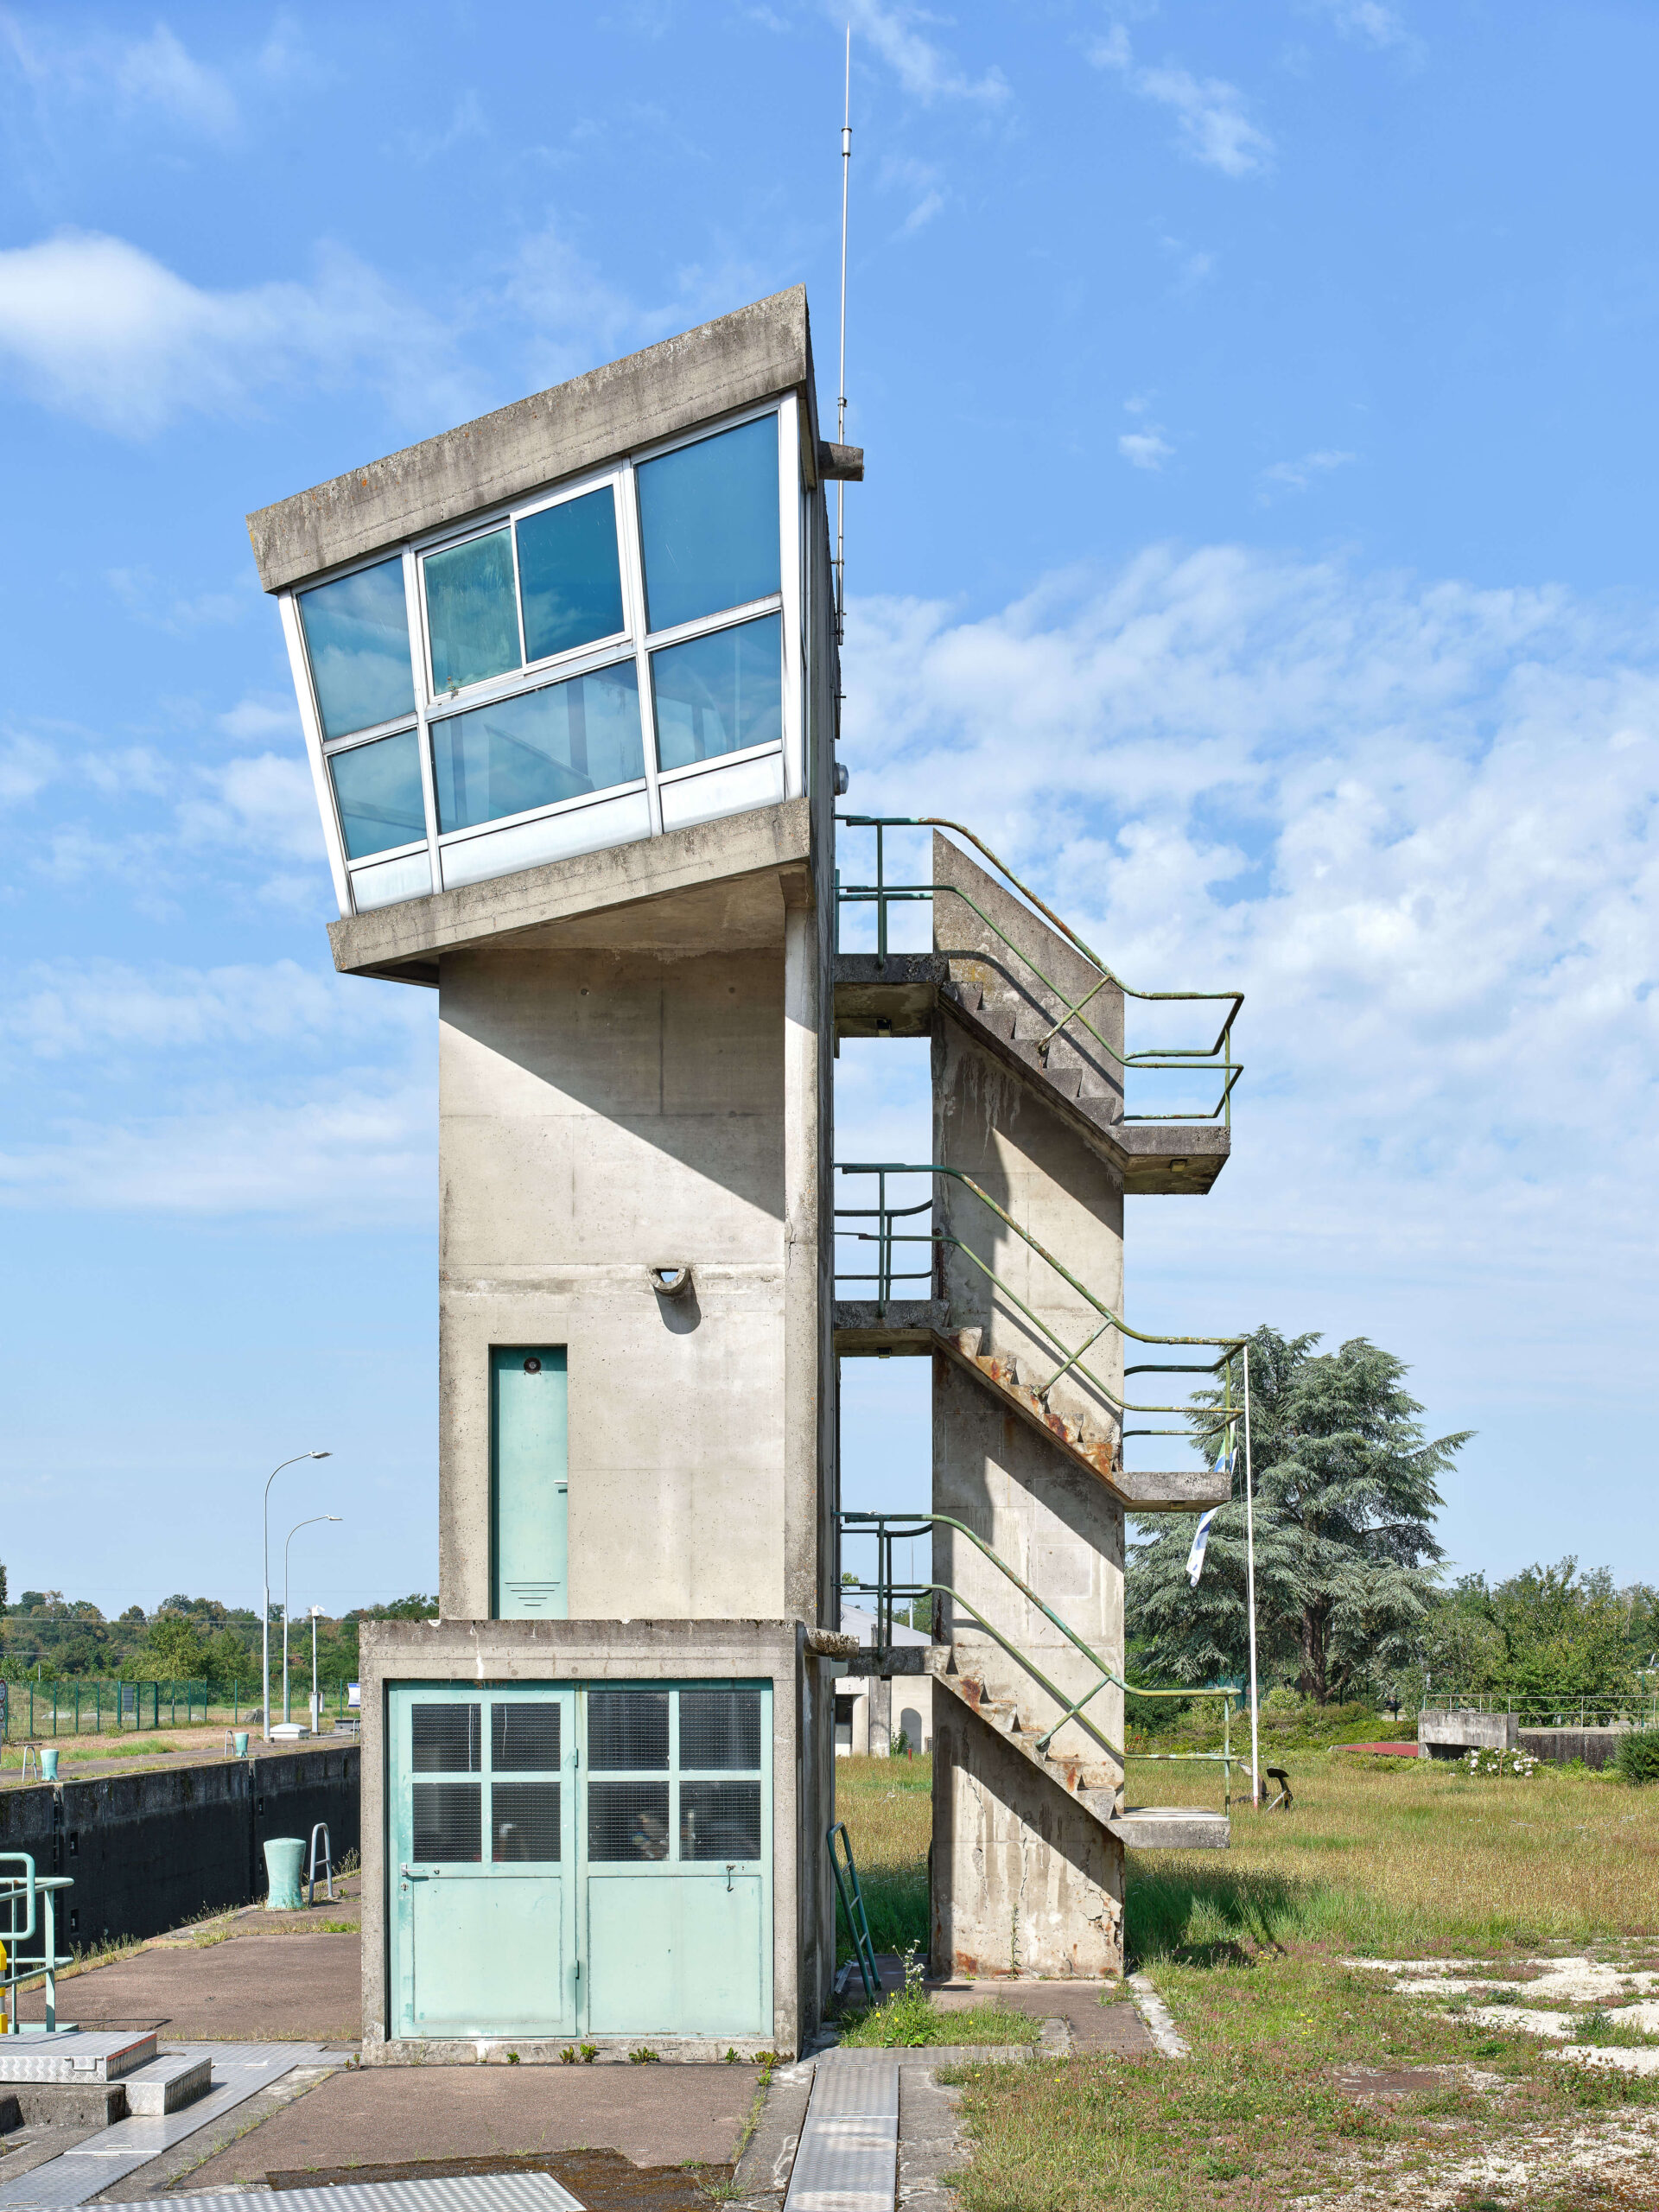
[
  {"x": 59, "y": 1009},
  {"x": 1213, "y": 126},
  {"x": 923, "y": 67},
  {"x": 359, "y": 1155},
  {"x": 251, "y": 720},
  {"x": 26, "y": 764},
  {"x": 96, "y": 327},
  {"x": 156, "y": 604},
  {"x": 1297, "y": 475},
  {"x": 1420, "y": 823},
  {"x": 1147, "y": 448},
  {"x": 1369, "y": 21},
  {"x": 154, "y": 75},
  {"x": 265, "y": 800}
]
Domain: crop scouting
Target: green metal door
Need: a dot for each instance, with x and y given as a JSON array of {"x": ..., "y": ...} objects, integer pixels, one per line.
[
  {"x": 580, "y": 1860},
  {"x": 481, "y": 1894},
  {"x": 676, "y": 1861},
  {"x": 528, "y": 1482}
]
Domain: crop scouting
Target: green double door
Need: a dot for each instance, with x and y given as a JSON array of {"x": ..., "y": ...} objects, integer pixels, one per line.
[{"x": 578, "y": 1861}]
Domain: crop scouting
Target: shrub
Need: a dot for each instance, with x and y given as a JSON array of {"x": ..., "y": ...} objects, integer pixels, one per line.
[{"x": 1638, "y": 1755}]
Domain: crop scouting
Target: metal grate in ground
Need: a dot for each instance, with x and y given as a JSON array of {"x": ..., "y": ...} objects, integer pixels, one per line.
[
  {"x": 849, "y": 2154},
  {"x": 456, "y": 2193}
]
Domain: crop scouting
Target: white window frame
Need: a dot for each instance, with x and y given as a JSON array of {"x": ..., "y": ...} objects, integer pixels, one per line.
[{"x": 633, "y": 642}]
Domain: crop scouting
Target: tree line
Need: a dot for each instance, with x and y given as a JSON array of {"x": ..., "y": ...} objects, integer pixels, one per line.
[
  {"x": 1351, "y": 1600},
  {"x": 45, "y": 1636}
]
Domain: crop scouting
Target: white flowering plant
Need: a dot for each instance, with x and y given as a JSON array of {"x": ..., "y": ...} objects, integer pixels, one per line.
[{"x": 1484, "y": 1762}]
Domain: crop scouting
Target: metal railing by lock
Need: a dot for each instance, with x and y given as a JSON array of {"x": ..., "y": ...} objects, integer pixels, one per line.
[
  {"x": 1157, "y": 1059},
  {"x": 1198, "y": 1426},
  {"x": 22, "y": 1894},
  {"x": 890, "y": 1529}
]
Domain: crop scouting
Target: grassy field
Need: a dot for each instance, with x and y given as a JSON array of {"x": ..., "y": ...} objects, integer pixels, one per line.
[{"x": 1379, "y": 1858}]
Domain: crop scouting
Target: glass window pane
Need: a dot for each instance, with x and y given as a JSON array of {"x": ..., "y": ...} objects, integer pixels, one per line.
[
  {"x": 447, "y": 1825},
  {"x": 569, "y": 575},
  {"x": 708, "y": 525},
  {"x": 559, "y": 742},
  {"x": 357, "y": 636},
  {"x": 524, "y": 1820},
  {"x": 378, "y": 788},
  {"x": 524, "y": 1736},
  {"x": 472, "y": 612},
  {"x": 720, "y": 1820},
  {"x": 445, "y": 1738},
  {"x": 628, "y": 1728},
  {"x": 628, "y": 1820},
  {"x": 719, "y": 1730},
  {"x": 718, "y": 694}
]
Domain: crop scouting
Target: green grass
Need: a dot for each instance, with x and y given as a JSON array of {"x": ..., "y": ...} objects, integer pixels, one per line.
[
  {"x": 888, "y": 1805},
  {"x": 911, "y": 2020},
  {"x": 1257, "y": 2116},
  {"x": 1379, "y": 1858}
]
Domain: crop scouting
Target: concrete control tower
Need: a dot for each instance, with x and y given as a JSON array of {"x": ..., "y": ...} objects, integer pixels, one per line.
[{"x": 569, "y": 678}]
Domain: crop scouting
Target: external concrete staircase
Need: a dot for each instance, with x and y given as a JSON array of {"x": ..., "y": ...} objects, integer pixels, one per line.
[
  {"x": 901, "y": 996},
  {"x": 1160, "y": 1827},
  {"x": 916, "y": 1326}
]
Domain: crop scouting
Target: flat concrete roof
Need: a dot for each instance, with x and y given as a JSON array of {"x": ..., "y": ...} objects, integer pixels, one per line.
[{"x": 755, "y": 353}]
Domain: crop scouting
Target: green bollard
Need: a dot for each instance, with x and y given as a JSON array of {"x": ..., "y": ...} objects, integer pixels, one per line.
[{"x": 284, "y": 1857}]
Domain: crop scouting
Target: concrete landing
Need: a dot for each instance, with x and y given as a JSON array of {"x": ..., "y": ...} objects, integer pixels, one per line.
[
  {"x": 75, "y": 2055},
  {"x": 1170, "y": 1827}
]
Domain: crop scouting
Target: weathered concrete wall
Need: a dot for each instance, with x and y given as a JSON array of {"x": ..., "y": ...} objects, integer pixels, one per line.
[
  {"x": 602, "y": 1114},
  {"x": 1057, "y": 1527},
  {"x": 148, "y": 1852},
  {"x": 1036, "y": 1884},
  {"x": 1597, "y": 1747},
  {"x": 1449, "y": 1735},
  {"x": 584, "y": 1651}
]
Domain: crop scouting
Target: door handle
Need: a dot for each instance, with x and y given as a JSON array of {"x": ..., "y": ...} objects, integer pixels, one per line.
[{"x": 414, "y": 1873}]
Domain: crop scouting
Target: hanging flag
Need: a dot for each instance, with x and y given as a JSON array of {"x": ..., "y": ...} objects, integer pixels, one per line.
[
  {"x": 1201, "y": 1536},
  {"x": 1195, "y": 1557}
]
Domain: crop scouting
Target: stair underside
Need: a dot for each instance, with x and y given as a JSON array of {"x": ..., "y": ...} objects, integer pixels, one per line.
[
  {"x": 1141, "y": 1827},
  {"x": 911, "y": 1327},
  {"x": 902, "y": 997}
]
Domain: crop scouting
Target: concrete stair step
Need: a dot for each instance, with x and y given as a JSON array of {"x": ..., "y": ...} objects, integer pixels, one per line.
[
  {"x": 167, "y": 2083},
  {"x": 75, "y": 2055}
]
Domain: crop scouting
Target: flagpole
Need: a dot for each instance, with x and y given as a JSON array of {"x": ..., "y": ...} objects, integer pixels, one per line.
[{"x": 1249, "y": 1585}]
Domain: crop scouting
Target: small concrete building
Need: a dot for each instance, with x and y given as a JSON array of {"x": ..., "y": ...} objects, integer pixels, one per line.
[
  {"x": 569, "y": 682},
  {"x": 874, "y": 1711}
]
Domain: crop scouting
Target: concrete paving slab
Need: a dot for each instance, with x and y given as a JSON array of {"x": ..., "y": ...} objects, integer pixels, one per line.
[
  {"x": 380, "y": 2116},
  {"x": 251, "y": 1988}
]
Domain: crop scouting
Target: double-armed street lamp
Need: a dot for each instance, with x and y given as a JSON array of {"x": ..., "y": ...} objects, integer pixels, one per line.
[
  {"x": 310, "y": 1521},
  {"x": 265, "y": 1621}
]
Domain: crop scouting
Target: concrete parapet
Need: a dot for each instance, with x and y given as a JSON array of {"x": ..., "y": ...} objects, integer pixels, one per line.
[
  {"x": 1449, "y": 1735},
  {"x": 1597, "y": 1747}
]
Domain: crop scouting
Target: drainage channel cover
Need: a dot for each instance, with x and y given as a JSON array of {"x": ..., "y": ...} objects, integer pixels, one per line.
[{"x": 532, "y": 2192}]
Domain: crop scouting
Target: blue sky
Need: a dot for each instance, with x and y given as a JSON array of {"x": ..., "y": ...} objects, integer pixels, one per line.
[{"x": 1257, "y": 547}]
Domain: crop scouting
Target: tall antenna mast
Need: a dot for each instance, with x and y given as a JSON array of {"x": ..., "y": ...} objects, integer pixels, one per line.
[{"x": 841, "y": 401}]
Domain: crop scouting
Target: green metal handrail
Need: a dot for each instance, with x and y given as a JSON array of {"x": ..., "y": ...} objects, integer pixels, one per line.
[
  {"x": 886, "y": 1592},
  {"x": 1154, "y": 1058},
  {"x": 883, "y": 1237}
]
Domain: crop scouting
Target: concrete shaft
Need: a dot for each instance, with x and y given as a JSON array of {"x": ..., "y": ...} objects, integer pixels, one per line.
[{"x": 1026, "y": 1881}]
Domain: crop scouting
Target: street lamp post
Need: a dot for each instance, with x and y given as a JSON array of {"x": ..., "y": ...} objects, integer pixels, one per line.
[
  {"x": 264, "y": 1623},
  {"x": 292, "y": 1533},
  {"x": 316, "y": 1702}
]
